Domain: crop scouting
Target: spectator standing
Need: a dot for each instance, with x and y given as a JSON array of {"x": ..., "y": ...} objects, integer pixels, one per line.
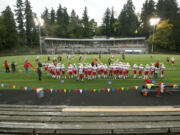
[
  {"x": 26, "y": 66},
  {"x": 13, "y": 67},
  {"x": 48, "y": 58},
  {"x": 109, "y": 61},
  {"x": 39, "y": 70},
  {"x": 167, "y": 59},
  {"x": 123, "y": 56},
  {"x": 6, "y": 66}
]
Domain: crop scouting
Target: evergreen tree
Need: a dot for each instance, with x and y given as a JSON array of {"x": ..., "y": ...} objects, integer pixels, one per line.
[
  {"x": 74, "y": 28},
  {"x": 29, "y": 23},
  {"x": 3, "y": 33},
  {"x": 52, "y": 16},
  {"x": 59, "y": 15},
  {"x": 85, "y": 23},
  {"x": 128, "y": 20},
  {"x": 63, "y": 22},
  {"x": 99, "y": 31},
  {"x": 92, "y": 27},
  {"x": 11, "y": 38},
  {"x": 167, "y": 9},
  {"x": 148, "y": 11},
  {"x": 19, "y": 18},
  {"x": 106, "y": 23},
  {"x": 46, "y": 16},
  {"x": 112, "y": 23},
  {"x": 35, "y": 31}
]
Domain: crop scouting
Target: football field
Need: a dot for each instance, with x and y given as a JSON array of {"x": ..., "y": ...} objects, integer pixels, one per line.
[{"x": 19, "y": 78}]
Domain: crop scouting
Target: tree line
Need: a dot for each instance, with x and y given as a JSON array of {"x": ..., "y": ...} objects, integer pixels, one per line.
[{"x": 18, "y": 28}]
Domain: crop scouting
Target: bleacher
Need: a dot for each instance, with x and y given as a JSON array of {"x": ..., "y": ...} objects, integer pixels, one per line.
[{"x": 34, "y": 119}]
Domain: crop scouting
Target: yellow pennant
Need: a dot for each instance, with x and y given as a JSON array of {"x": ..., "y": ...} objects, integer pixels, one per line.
[{"x": 65, "y": 90}]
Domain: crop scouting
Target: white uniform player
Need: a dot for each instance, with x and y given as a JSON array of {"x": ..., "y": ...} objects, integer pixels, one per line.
[
  {"x": 146, "y": 72},
  {"x": 81, "y": 72},
  {"x": 135, "y": 67}
]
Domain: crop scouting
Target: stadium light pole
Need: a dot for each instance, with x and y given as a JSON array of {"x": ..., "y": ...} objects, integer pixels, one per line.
[
  {"x": 39, "y": 23},
  {"x": 154, "y": 21}
]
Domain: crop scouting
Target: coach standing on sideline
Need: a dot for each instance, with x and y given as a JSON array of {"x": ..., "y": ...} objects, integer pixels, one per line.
[{"x": 39, "y": 70}]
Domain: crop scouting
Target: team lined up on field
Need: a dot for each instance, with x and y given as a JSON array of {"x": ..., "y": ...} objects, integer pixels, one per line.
[{"x": 116, "y": 71}]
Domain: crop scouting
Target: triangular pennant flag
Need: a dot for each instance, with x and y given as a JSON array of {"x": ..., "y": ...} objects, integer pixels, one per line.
[
  {"x": 85, "y": 90},
  {"x": 47, "y": 90},
  {"x": 141, "y": 86},
  {"x": 5, "y": 85},
  {"x": 90, "y": 90},
  {"x": 51, "y": 90},
  {"x": 2, "y": 85},
  {"x": 65, "y": 90},
  {"x": 113, "y": 89},
  {"x": 117, "y": 89},
  {"x": 10, "y": 85},
  {"x": 104, "y": 90},
  {"x": 21, "y": 87},
  {"x": 132, "y": 87},
  {"x": 171, "y": 85},
  {"x": 60, "y": 90},
  {"x": 108, "y": 89},
  {"x": 55, "y": 90},
  {"x": 76, "y": 90},
  {"x": 25, "y": 88},
  {"x": 81, "y": 90}
]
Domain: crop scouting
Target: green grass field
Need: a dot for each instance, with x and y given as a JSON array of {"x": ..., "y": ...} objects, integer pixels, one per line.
[{"x": 172, "y": 74}]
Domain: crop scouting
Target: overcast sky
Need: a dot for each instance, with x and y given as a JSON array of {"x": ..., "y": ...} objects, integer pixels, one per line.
[{"x": 96, "y": 8}]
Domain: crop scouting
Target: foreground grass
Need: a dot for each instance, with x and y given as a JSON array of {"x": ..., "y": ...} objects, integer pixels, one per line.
[{"x": 172, "y": 74}]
